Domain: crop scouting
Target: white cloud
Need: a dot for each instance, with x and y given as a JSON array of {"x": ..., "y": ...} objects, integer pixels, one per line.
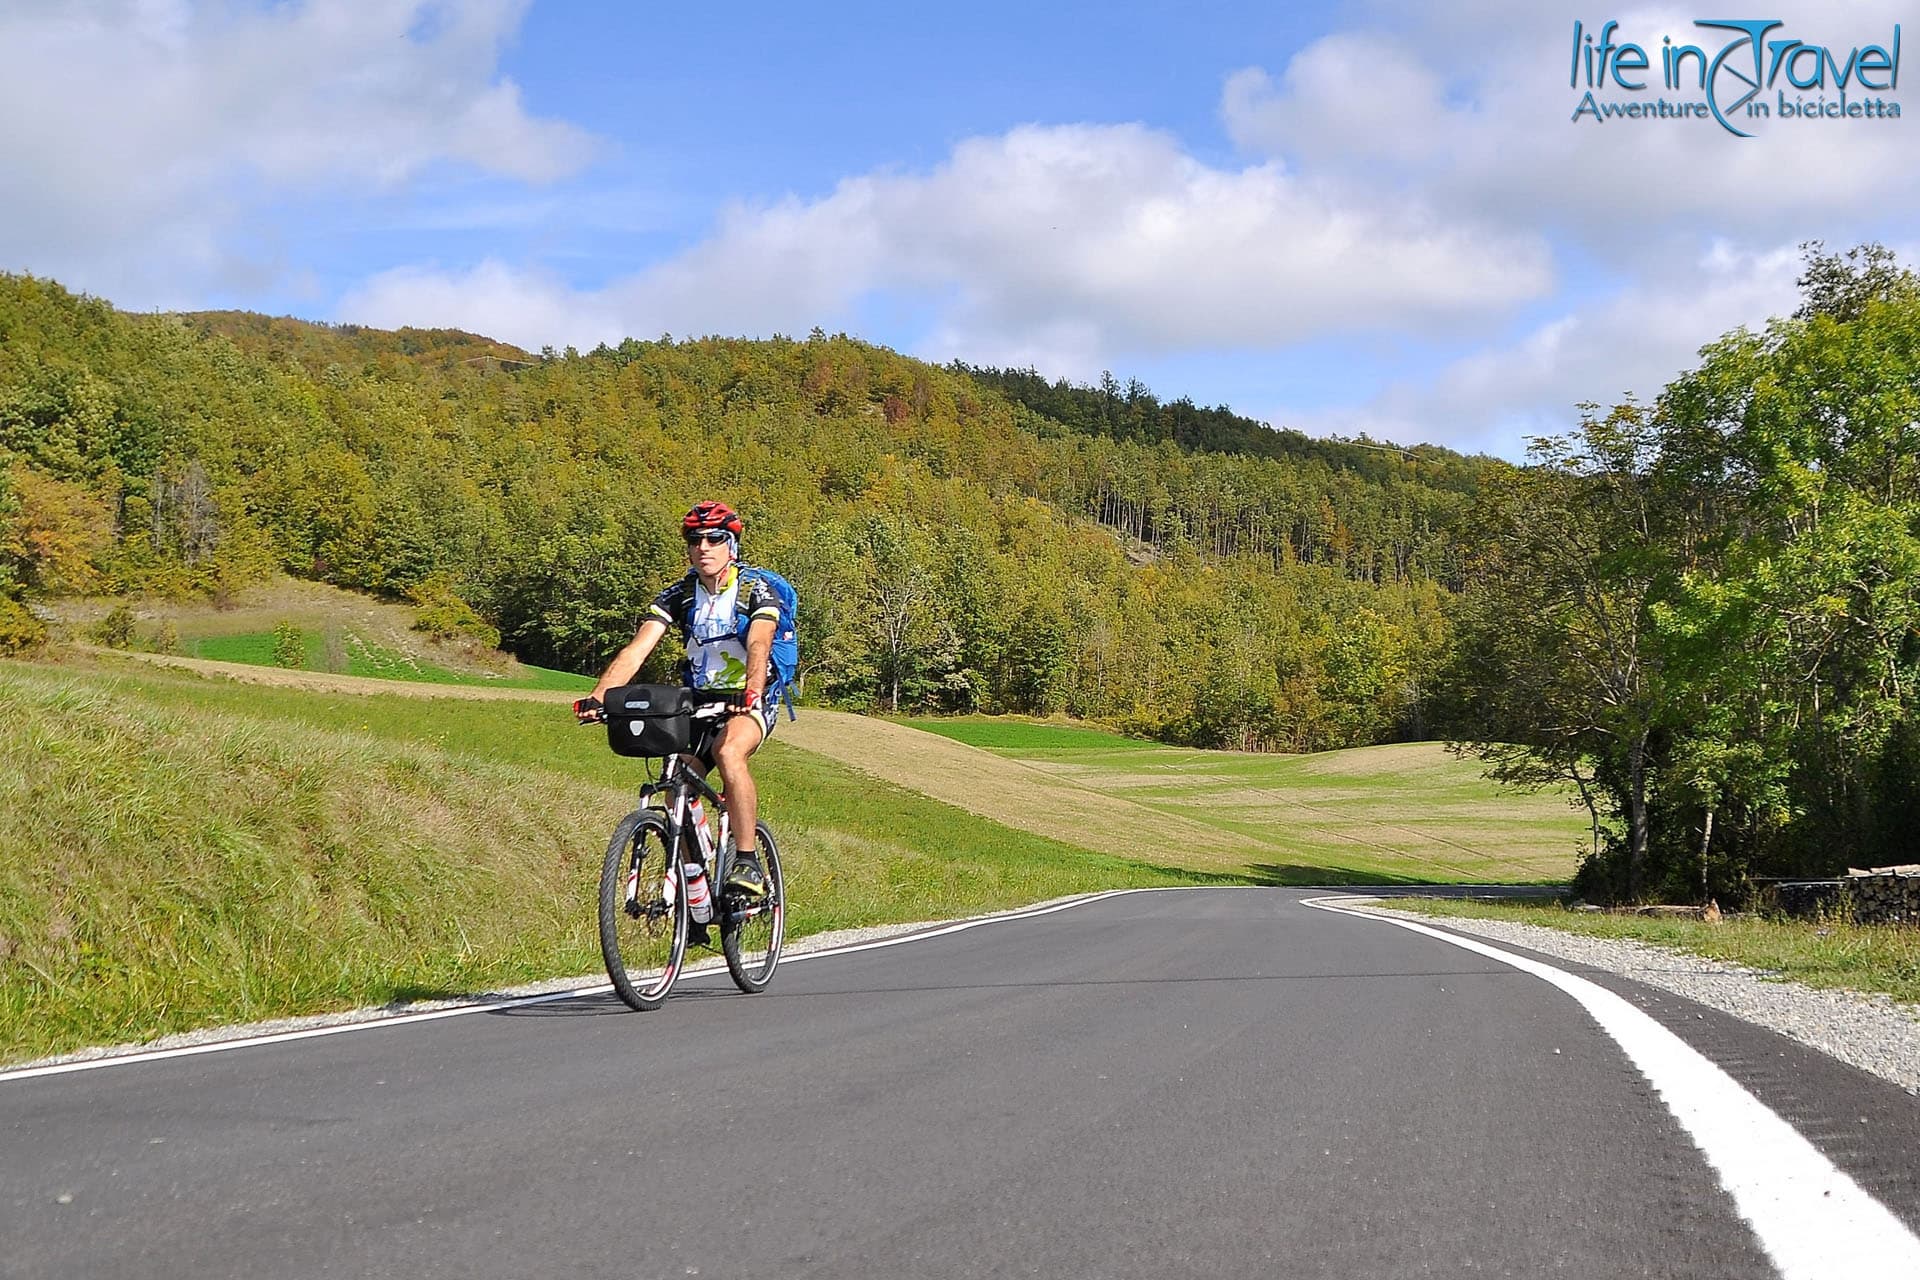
[
  {"x": 1681, "y": 230},
  {"x": 1108, "y": 238},
  {"x": 157, "y": 127},
  {"x": 1473, "y": 109},
  {"x": 1387, "y": 103},
  {"x": 530, "y": 308},
  {"x": 1633, "y": 343}
]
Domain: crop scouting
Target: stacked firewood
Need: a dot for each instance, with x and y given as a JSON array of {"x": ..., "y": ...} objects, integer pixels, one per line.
[{"x": 1884, "y": 895}]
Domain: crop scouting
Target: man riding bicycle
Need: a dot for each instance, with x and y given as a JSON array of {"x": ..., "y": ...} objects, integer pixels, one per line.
[{"x": 704, "y": 606}]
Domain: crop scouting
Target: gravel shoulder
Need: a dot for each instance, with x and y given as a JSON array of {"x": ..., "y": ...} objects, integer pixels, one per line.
[{"x": 1872, "y": 1032}]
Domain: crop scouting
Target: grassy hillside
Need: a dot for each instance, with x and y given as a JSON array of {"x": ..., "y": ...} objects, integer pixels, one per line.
[
  {"x": 354, "y": 656},
  {"x": 178, "y": 852},
  {"x": 1018, "y": 735},
  {"x": 342, "y": 632}
]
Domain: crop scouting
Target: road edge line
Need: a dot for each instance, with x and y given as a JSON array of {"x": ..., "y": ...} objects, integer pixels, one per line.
[
  {"x": 379, "y": 1022},
  {"x": 1812, "y": 1219}
]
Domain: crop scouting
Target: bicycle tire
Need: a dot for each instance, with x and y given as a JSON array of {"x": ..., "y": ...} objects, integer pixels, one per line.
[
  {"x": 751, "y": 936},
  {"x": 643, "y": 919}
]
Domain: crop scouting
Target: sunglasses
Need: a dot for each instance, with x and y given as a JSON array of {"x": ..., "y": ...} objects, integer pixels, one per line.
[{"x": 709, "y": 536}]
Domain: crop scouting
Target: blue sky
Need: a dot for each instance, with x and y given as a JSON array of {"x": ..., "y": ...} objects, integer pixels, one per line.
[{"x": 1371, "y": 216}]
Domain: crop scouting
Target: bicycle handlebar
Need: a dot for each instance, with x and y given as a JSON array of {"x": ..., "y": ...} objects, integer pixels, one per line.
[{"x": 714, "y": 703}]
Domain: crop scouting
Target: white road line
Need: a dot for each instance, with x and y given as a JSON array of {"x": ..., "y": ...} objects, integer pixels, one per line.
[
  {"x": 283, "y": 1037},
  {"x": 1814, "y": 1221},
  {"x": 1025, "y": 913},
  {"x": 489, "y": 1006}
]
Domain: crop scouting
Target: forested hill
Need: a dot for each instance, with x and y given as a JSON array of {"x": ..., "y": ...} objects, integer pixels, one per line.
[
  {"x": 1129, "y": 411},
  {"x": 955, "y": 548},
  {"x": 316, "y": 346}
]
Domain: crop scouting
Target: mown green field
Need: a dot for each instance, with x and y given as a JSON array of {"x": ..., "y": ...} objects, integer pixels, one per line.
[
  {"x": 177, "y": 852},
  {"x": 1408, "y": 812}
]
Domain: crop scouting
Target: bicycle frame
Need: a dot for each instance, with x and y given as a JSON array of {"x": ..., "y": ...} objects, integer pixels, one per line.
[
  {"x": 678, "y": 787},
  {"x": 680, "y": 784}
]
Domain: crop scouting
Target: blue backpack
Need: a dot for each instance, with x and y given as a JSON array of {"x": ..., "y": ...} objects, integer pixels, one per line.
[{"x": 786, "y": 639}]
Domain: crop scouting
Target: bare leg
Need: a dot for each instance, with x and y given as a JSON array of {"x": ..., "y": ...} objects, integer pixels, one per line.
[{"x": 740, "y": 740}]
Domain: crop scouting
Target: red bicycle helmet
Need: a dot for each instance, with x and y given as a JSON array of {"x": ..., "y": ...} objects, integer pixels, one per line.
[{"x": 712, "y": 515}]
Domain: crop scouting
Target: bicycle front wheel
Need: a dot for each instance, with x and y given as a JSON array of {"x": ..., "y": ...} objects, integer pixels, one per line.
[
  {"x": 643, "y": 915},
  {"x": 752, "y": 932}
]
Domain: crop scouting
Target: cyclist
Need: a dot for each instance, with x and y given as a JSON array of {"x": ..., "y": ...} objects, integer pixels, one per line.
[{"x": 705, "y": 606}]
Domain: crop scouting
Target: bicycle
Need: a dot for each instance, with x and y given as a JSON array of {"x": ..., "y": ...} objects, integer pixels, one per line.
[{"x": 652, "y": 903}]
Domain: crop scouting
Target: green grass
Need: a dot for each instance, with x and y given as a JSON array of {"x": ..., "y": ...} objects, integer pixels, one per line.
[
  {"x": 533, "y": 677},
  {"x": 363, "y": 659},
  {"x": 254, "y": 650},
  {"x": 1821, "y": 953},
  {"x": 959, "y": 858},
  {"x": 179, "y": 852},
  {"x": 1010, "y": 735},
  {"x": 1404, "y": 813}
]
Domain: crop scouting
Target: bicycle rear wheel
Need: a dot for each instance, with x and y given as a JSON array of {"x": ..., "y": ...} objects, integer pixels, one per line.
[
  {"x": 643, "y": 915},
  {"x": 752, "y": 933}
]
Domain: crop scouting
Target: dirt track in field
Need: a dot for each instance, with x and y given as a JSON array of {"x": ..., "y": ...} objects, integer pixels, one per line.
[{"x": 328, "y": 682}]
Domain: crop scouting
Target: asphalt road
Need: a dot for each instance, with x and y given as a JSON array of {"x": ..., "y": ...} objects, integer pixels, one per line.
[{"x": 1219, "y": 1082}]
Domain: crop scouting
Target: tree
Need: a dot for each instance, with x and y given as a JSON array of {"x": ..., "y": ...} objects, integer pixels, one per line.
[
  {"x": 913, "y": 648},
  {"x": 830, "y": 573},
  {"x": 1037, "y": 658},
  {"x": 1707, "y": 619},
  {"x": 1841, "y": 285},
  {"x": 10, "y": 585},
  {"x": 184, "y": 512},
  {"x": 289, "y": 646},
  {"x": 52, "y": 537},
  {"x": 1558, "y": 651},
  {"x": 1798, "y": 617}
]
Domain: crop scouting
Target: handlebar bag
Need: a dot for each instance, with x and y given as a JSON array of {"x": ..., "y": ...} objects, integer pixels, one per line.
[{"x": 649, "y": 719}]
